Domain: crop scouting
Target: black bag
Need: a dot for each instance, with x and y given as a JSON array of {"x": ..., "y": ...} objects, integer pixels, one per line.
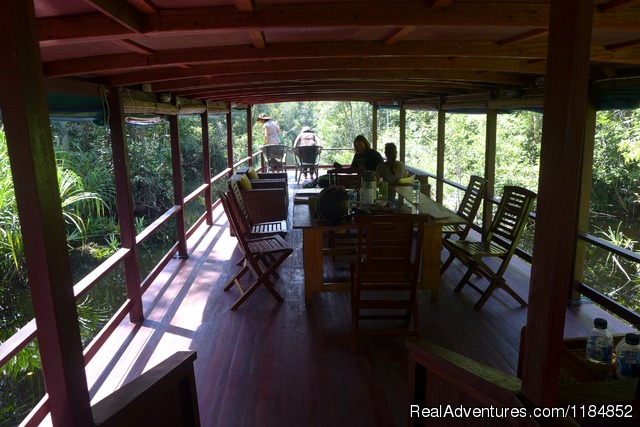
[{"x": 333, "y": 203}]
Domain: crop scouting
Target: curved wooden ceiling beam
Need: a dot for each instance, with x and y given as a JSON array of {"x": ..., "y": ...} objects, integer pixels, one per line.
[{"x": 209, "y": 55}]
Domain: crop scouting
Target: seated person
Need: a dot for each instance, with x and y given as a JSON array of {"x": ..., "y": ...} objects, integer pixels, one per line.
[
  {"x": 306, "y": 138},
  {"x": 392, "y": 169},
  {"x": 365, "y": 158}
]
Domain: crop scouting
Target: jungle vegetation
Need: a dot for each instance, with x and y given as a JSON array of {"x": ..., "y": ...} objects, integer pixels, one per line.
[{"x": 87, "y": 189}]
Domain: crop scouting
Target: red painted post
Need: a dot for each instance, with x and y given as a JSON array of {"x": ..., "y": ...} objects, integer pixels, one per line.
[
  {"x": 124, "y": 198},
  {"x": 178, "y": 193},
  {"x": 25, "y": 115},
  {"x": 206, "y": 166}
]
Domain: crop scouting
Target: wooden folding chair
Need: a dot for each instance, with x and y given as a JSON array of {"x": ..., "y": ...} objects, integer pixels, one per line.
[
  {"x": 262, "y": 257},
  {"x": 239, "y": 210},
  {"x": 468, "y": 209},
  {"x": 385, "y": 274},
  {"x": 507, "y": 225}
]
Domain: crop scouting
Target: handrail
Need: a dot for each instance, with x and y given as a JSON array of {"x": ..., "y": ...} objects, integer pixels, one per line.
[
  {"x": 19, "y": 340},
  {"x": 603, "y": 244}
]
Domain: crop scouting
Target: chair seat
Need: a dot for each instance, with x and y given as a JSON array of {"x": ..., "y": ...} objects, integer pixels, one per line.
[
  {"x": 276, "y": 227},
  {"x": 507, "y": 226},
  {"x": 268, "y": 244},
  {"x": 479, "y": 249},
  {"x": 452, "y": 228}
]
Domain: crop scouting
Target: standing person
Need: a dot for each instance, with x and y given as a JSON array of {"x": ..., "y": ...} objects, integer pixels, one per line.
[
  {"x": 306, "y": 138},
  {"x": 365, "y": 158},
  {"x": 392, "y": 169},
  {"x": 271, "y": 130}
]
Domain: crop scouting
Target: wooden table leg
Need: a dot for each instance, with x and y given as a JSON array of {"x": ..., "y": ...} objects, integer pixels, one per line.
[
  {"x": 312, "y": 262},
  {"x": 430, "y": 273}
]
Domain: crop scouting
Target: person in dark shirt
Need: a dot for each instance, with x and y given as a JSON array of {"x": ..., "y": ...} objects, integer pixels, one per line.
[{"x": 365, "y": 158}]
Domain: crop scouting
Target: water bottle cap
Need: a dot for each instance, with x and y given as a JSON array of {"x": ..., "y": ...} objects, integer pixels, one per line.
[
  {"x": 600, "y": 323},
  {"x": 632, "y": 339}
]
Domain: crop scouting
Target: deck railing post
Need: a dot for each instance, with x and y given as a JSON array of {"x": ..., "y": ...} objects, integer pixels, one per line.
[
  {"x": 249, "y": 136},
  {"x": 229, "y": 122},
  {"x": 206, "y": 166},
  {"x": 490, "y": 167},
  {"x": 554, "y": 245},
  {"x": 25, "y": 115},
  {"x": 440, "y": 156},
  {"x": 124, "y": 198},
  {"x": 178, "y": 193}
]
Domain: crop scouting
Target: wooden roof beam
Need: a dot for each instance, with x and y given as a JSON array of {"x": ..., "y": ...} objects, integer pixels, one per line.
[
  {"x": 130, "y": 62},
  {"x": 423, "y": 77},
  {"x": 257, "y": 37},
  {"x": 617, "y": 5},
  {"x": 258, "y": 66},
  {"x": 135, "y": 47},
  {"x": 411, "y": 65},
  {"x": 399, "y": 35},
  {"x": 263, "y": 18},
  {"x": 244, "y": 5},
  {"x": 121, "y": 12},
  {"x": 524, "y": 37}
]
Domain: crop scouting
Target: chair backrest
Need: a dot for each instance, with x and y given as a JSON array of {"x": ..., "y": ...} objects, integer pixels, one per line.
[
  {"x": 512, "y": 214},
  {"x": 309, "y": 155},
  {"x": 274, "y": 151},
  {"x": 345, "y": 179},
  {"x": 471, "y": 201},
  {"x": 234, "y": 187},
  {"x": 237, "y": 222},
  {"x": 386, "y": 241}
]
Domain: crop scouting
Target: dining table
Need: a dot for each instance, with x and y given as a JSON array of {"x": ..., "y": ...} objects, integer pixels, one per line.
[{"x": 314, "y": 229}]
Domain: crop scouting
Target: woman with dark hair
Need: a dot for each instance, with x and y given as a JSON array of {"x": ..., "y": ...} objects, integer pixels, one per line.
[
  {"x": 391, "y": 170},
  {"x": 365, "y": 157}
]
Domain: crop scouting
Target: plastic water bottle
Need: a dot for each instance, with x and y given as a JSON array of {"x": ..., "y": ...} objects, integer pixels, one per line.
[
  {"x": 416, "y": 191},
  {"x": 628, "y": 358},
  {"x": 600, "y": 343}
]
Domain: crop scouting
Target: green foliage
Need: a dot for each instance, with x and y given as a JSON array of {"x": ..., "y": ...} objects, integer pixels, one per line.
[{"x": 616, "y": 168}]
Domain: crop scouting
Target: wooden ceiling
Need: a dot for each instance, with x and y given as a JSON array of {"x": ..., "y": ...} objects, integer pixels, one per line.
[{"x": 264, "y": 51}]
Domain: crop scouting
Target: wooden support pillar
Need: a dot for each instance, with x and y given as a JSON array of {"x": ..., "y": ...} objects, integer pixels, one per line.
[
  {"x": 229, "y": 140},
  {"x": 558, "y": 196},
  {"x": 403, "y": 132},
  {"x": 124, "y": 198},
  {"x": 178, "y": 193},
  {"x": 206, "y": 166},
  {"x": 249, "y": 136},
  {"x": 374, "y": 126},
  {"x": 490, "y": 166},
  {"x": 440, "y": 154},
  {"x": 25, "y": 115},
  {"x": 585, "y": 197}
]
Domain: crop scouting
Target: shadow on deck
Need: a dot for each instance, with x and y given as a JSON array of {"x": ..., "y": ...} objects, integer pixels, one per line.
[{"x": 278, "y": 364}]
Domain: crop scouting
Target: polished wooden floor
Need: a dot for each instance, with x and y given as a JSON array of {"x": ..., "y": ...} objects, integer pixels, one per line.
[{"x": 287, "y": 364}]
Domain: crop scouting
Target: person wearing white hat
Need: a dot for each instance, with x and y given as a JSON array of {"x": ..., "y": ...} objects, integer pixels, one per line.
[{"x": 271, "y": 130}]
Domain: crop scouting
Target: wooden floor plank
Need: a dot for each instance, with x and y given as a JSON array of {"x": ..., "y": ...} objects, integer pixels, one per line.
[{"x": 275, "y": 364}]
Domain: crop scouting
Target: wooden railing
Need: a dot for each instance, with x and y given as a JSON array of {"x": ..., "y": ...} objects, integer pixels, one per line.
[{"x": 18, "y": 341}]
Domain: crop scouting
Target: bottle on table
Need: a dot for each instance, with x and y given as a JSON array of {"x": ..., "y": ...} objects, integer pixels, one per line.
[
  {"x": 416, "y": 191},
  {"x": 600, "y": 343},
  {"x": 628, "y": 357}
]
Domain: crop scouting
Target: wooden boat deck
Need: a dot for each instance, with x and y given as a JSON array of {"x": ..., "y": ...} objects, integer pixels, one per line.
[{"x": 283, "y": 364}]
